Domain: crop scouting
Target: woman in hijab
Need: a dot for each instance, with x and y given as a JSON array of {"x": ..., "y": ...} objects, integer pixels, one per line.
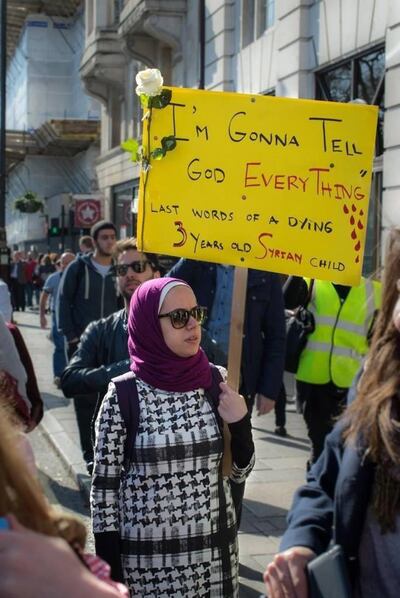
[{"x": 169, "y": 516}]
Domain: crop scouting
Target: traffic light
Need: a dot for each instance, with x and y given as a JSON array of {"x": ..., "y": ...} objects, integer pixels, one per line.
[{"x": 54, "y": 228}]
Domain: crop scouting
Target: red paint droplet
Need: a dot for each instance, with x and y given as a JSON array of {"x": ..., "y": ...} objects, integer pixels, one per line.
[
  {"x": 352, "y": 221},
  {"x": 353, "y": 207},
  {"x": 357, "y": 246},
  {"x": 360, "y": 225},
  {"x": 361, "y": 213},
  {"x": 357, "y": 259},
  {"x": 345, "y": 209},
  {"x": 353, "y": 235}
]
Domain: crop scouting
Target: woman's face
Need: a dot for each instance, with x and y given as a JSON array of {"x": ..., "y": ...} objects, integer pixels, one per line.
[{"x": 185, "y": 341}]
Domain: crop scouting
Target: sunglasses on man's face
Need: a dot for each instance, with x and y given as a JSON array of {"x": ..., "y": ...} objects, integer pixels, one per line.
[
  {"x": 180, "y": 317},
  {"x": 137, "y": 267}
]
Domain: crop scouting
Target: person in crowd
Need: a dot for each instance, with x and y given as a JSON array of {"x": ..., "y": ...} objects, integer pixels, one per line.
[
  {"x": 352, "y": 491},
  {"x": 88, "y": 289},
  {"x": 14, "y": 376},
  {"x": 50, "y": 293},
  {"x": 88, "y": 292},
  {"x": 18, "y": 281},
  {"x": 42, "y": 550},
  {"x": 17, "y": 377},
  {"x": 34, "y": 564},
  {"x": 264, "y": 330},
  {"x": 5, "y": 301},
  {"x": 343, "y": 318},
  {"x": 280, "y": 413},
  {"x": 37, "y": 282},
  {"x": 166, "y": 520},
  {"x": 30, "y": 267},
  {"x": 45, "y": 268},
  {"x": 31, "y": 387},
  {"x": 86, "y": 245},
  {"x": 103, "y": 350}
]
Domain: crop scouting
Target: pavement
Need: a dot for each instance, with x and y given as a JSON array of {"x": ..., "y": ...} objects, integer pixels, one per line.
[{"x": 279, "y": 470}]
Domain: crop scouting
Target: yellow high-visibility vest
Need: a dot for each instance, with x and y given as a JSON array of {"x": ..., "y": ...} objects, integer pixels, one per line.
[{"x": 335, "y": 349}]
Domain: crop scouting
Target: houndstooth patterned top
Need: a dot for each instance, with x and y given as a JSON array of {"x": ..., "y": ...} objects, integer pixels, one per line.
[{"x": 173, "y": 509}]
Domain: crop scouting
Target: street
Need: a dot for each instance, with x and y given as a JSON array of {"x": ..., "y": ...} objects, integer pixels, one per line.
[{"x": 59, "y": 485}]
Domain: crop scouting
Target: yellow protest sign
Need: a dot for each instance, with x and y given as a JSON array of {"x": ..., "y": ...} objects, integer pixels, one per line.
[{"x": 270, "y": 183}]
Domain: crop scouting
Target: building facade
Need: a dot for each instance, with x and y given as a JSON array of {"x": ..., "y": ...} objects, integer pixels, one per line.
[
  {"x": 316, "y": 49},
  {"x": 53, "y": 127}
]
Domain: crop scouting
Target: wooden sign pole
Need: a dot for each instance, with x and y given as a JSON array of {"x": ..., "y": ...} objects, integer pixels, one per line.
[
  {"x": 235, "y": 351},
  {"x": 236, "y": 330}
]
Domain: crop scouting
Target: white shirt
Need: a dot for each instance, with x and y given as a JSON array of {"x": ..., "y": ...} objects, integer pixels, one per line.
[
  {"x": 103, "y": 270},
  {"x": 5, "y": 302}
]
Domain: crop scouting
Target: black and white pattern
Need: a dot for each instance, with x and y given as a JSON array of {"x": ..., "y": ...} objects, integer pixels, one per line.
[{"x": 173, "y": 510}]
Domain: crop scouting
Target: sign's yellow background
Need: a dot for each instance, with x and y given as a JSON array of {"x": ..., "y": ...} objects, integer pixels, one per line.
[{"x": 270, "y": 183}]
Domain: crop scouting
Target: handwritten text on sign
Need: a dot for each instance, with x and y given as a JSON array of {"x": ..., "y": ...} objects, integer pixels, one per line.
[{"x": 268, "y": 183}]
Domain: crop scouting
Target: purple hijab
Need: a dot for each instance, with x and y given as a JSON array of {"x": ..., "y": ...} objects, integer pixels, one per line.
[{"x": 151, "y": 359}]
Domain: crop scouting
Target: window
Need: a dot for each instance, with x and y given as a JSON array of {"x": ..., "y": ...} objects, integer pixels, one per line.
[
  {"x": 256, "y": 17},
  {"x": 359, "y": 77},
  {"x": 123, "y": 199},
  {"x": 362, "y": 77},
  {"x": 118, "y": 6}
]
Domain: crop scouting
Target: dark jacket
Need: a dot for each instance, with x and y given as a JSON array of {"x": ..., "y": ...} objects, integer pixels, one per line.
[
  {"x": 264, "y": 326},
  {"x": 84, "y": 296},
  {"x": 103, "y": 354},
  {"x": 333, "y": 503}
]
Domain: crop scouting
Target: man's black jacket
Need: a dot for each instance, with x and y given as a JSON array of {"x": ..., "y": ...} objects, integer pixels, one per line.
[
  {"x": 102, "y": 354},
  {"x": 264, "y": 325}
]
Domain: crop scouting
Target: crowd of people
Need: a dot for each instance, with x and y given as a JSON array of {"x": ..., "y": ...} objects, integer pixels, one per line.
[{"x": 143, "y": 353}]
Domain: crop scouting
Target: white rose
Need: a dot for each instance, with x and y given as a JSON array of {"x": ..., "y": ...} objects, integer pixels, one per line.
[{"x": 149, "y": 82}]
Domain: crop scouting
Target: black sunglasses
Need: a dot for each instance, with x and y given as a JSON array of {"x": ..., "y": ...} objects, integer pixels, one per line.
[
  {"x": 137, "y": 267},
  {"x": 180, "y": 317}
]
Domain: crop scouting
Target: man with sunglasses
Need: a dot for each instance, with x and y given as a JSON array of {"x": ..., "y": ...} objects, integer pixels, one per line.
[{"x": 103, "y": 350}]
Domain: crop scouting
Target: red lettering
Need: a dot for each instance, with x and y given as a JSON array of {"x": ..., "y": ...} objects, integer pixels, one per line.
[
  {"x": 260, "y": 238},
  {"x": 266, "y": 181},
  {"x": 251, "y": 178},
  {"x": 182, "y": 231}
]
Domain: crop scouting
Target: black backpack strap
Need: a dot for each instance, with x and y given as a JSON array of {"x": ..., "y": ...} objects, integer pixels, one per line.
[
  {"x": 214, "y": 391},
  {"x": 128, "y": 401}
]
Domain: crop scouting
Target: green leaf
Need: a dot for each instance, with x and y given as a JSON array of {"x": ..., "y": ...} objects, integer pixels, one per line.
[
  {"x": 145, "y": 100},
  {"x": 132, "y": 146},
  {"x": 158, "y": 153},
  {"x": 162, "y": 100},
  {"x": 168, "y": 143}
]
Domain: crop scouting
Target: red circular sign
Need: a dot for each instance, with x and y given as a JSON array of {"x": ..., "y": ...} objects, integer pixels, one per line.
[{"x": 87, "y": 212}]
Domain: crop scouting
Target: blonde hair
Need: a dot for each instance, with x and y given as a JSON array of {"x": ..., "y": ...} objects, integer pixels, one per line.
[{"x": 22, "y": 495}]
